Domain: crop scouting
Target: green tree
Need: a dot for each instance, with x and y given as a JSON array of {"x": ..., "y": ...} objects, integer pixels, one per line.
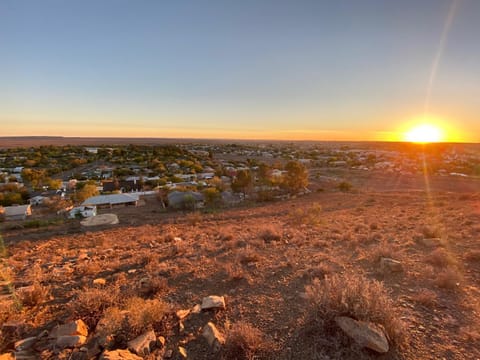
[{"x": 296, "y": 177}]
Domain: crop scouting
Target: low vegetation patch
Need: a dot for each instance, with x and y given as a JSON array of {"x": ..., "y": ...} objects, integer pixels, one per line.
[
  {"x": 356, "y": 297},
  {"x": 245, "y": 342}
]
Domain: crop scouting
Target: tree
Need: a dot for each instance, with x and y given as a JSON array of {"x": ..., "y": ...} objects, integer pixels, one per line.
[
  {"x": 85, "y": 192},
  {"x": 264, "y": 174},
  {"x": 296, "y": 177},
  {"x": 212, "y": 196},
  {"x": 242, "y": 181}
]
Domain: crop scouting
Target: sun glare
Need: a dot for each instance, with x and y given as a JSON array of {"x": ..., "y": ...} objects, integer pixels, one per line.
[{"x": 424, "y": 133}]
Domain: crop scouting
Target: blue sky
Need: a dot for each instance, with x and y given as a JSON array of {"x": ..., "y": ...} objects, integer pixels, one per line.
[{"x": 356, "y": 69}]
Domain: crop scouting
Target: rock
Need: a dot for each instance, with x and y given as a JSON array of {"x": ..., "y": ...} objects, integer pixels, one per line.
[
  {"x": 25, "y": 344},
  {"x": 213, "y": 302},
  {"x": 99, "y": 281},
  {"x": 182, "y": 351},
  {"x": 77, "y": 327},
  {"x": 390, "y": 265},
  {"x": 197, "y": 309},
  {"x": 161, "y": 341},
  {"x": 25, "y": 355},
  {"x": 119, "y": 355},
  {"x": 143, "y": 344},
  {"x": 7, "y": 356},
  {"x": 182, "y": 314},
  {"x": 365, "y": 334},
  {"x": 168, "y": 354},
  {"x": 68, "y": 341},
  {"x": 214, "y": 338}
]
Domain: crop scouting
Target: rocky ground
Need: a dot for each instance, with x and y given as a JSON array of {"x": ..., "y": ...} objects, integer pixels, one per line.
[{"x": 391, "y": 275}]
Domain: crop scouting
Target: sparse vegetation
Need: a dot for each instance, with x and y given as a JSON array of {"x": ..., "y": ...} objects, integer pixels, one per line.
[
  {"x": 354, "y": 296},
  {"x": 245, "y": 342}
]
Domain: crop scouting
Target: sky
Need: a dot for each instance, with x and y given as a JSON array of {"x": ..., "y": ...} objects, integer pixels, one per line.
[{"x": 250, "y": 69}]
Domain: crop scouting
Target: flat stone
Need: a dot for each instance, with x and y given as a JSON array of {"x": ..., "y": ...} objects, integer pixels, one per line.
[
  {"x": 77, "y": 327},
  {"x": 390, "y": 265},
  {"x": 143, "y": 344},
  {"x": 25, "y": 355},
  {"x": 119, "y": 355},
  {"x": 364, "y": 333},
  {"x": 182, "y": 314},
  {"x": 25, "y": 344},
  {"x": 99, "y": 281},
  {"x": 68, "y": 341},
  {"x": 213, "y": 302},
  {"x": 214, "y": 338},
  {"x": 182, "y": 351}
]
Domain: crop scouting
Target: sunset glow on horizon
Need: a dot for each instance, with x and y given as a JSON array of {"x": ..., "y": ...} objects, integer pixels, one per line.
[{"x": 260, "y": 70}]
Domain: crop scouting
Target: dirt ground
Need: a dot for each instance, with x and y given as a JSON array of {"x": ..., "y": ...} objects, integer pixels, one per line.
[{"x": 261, "y": 259}]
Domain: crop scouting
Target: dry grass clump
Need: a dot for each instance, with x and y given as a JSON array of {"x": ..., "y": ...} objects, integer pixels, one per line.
[
  {"x": 248, "y": 255},
  {"x": 431, "y": 232},
  {"x": 143, "y": 314},
  {"x": 384, "y": 250},
  {"x": 440, "y": 258},
  {"x": 310, "y": 216},
  {"x": 194, "y": 218},
  {"x": 356, "y": 297},
  {"x": 245, "y": 342},
  {"x": 90, "y": 303},
  {"x": 473, "y": 256},
  {"x": 426, "y": 297},
  {"x": 448, "y": 279},
  {"x": 270, "y": 233},
  {"x": 33, "y": 295}
]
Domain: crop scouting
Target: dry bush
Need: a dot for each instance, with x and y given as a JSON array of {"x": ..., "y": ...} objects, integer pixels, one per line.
[
  {"x": 384, "y": 250},
  {"x": 448, "y": 279},
  {"x": 311, "y": 216},
  {"x": 90, "y": 303},
  {"x": 194, "y": 218},
  {"x": 270, "y": 233},
  {"x": 430, "y": 232},
  {"x": 248, "y": 255},
  {"x": 473, "y": 256},
  {"x": 33, "y": 295},
  {"x": 426, "y": 297},
  {"x": 144, "y": 314},
  {"x": 245, "y": 342},
  {"x": 235, "y": 271},
  {"x": 112, "y": 322},
  {"x": 440, "y": 258},
  {"x": 357, "y": 297}
]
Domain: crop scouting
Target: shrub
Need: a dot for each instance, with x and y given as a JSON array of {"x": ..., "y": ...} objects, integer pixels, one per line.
[
  {"x": 91, "y": 302},
  {"x": 345, "y": 186},
  {"x": 473, "y": 255},
  {"x": 270, "y": 233},
  {"x": 194, "y": 218},
  {"x": 440, "y": 258},
  {"x": 357, "y": 297},
  {"x": 310, "y": 216},
  {"x": 143, "y": 314},
  {"x": 245, "y": 342},
  {"x": 33, "y": 295},
  {"x": 425, "y": 297},
  {"x": 448, "y": 279}
]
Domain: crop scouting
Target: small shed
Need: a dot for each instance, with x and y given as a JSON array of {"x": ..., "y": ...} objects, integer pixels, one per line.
[{"x": 17, "y": 212}]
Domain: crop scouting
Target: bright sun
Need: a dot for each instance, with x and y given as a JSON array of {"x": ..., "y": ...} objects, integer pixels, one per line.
[{"x": 424, "y": 133}]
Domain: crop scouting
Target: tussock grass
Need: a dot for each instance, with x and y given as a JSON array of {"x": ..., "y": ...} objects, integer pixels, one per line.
[
  {"x": 356, "y": 297},
  {"x": 245, "y": 342}
]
